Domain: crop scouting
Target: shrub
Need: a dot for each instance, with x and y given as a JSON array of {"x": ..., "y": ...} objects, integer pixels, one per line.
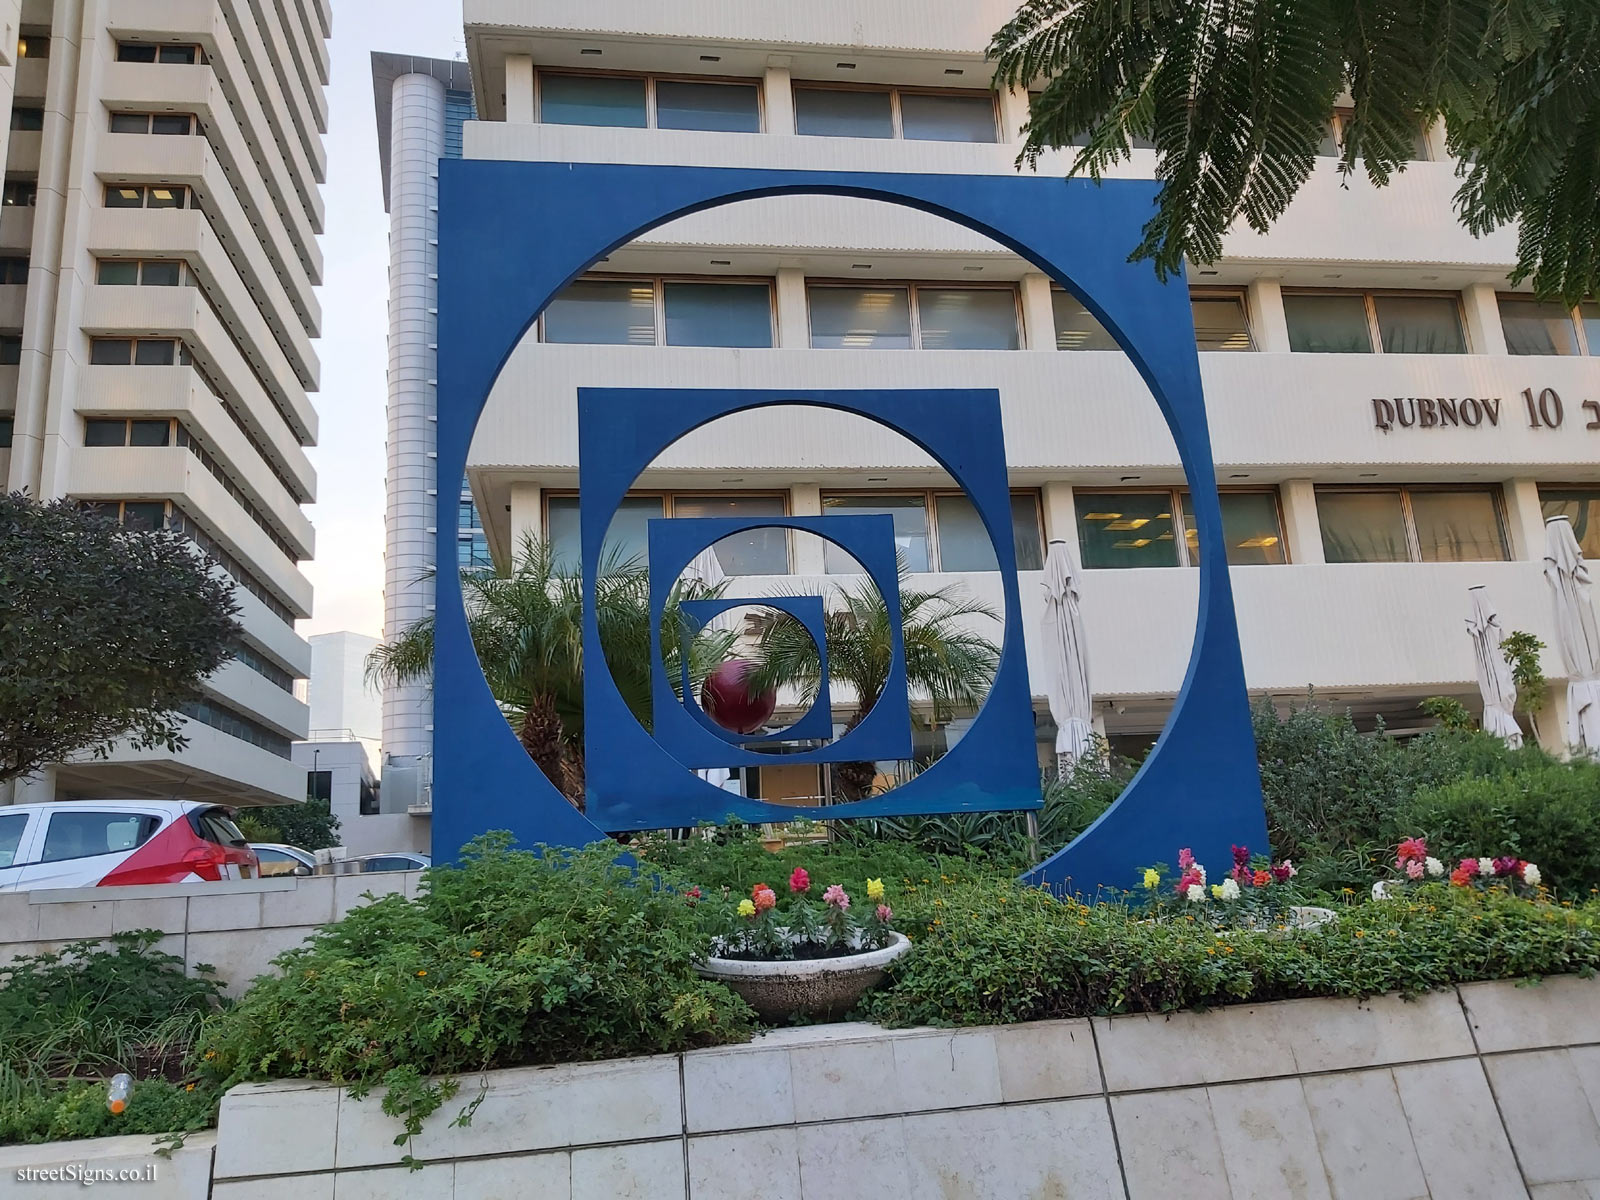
[
  {"x": 69, "y": 1020},
  {"x": 309, "y": 824},
  {"x": 989, "y": 952},
  {"x": 1549, "y": 815},
  {"x": 510, "y": 958}
]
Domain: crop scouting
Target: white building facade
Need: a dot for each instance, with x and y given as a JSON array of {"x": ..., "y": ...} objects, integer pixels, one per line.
[
  {"x": 158, "y": 266},
  {"x": 1391, "y": 420}
]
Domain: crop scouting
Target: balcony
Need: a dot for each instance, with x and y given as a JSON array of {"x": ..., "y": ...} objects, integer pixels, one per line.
[
  {"x": 1085, "y": 416},
  {"x": 213, "y": 766},
  {"x": 1410, "y": 221}
]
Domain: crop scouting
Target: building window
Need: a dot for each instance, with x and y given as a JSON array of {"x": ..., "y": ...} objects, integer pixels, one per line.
[
  {"x": 319, "y": 785},
  {"x": 138, "y": 352},
  {"x": 1157, "y": 529},
  {"x": 236, "y": 725},
  {"x": 149, "y": 52},
  {"x": 20, "y": 193},
  {"x": 472, "y": 552},
  {"x": 1411, "y": 524},
  {"x": 158, "y": 123},
  {"x": 27, "y": 118},
  {"x": 1333, "y": 138},
  {"x": 1542, "y": 327},
  {"x": 896, "y": 113},
  {"x": 10, "y": 349},
  {"x": 33, "y": 45},
  {"x": 13, "y": 270},
  {"x": 99, "y": 431},
  {"x": 938, "y": 531},
  {"x": 1220, "y": 323},
  {"x": 268, "y": 670},
  {"x": 1361, "y": 322},
  {"x": 368, "y": 802},
  {"x": 1582, "y": 505},
  {"x": 466, "y": 515},
  {"x": 652, "y": 312},
  {"x": 645, "y": 101},
  {"x": 763, "y": 551},
  {"x": 5, "y": 432},
  {"x": 133, "y": 272},
  {"x": 154, "y": 195},
  {"x": 912, "y": 316}
]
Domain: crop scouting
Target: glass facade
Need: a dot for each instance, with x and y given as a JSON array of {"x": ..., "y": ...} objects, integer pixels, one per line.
[
  {"x": 1582, "y": 505},
  {"x": 1399, "y": 524},
  {"x": 1157, "y": 529}
]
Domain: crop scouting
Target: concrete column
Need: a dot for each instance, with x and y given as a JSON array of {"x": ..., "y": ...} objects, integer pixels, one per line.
[
  {"x": 527, "y": 513},
  {"x": 794, "y": 323},
  {"x": 1013, "y": 115},
  {"x": 1038, "y": 312},
  {"x": 519, "y": 89},
  {"x": 1060, "y": 515},
  {"x": 1524, "y": 519},
  {"x": 805, "y": 500},
  {"x": 1300, "y": 525},
  {"x": 1551, "y": 720},
  {"x": 416, "y": 143},
  {"x": 1267, "y": 322},
  {"x": 1482, "y": 309},
  {"x": 777, "y": 95}
]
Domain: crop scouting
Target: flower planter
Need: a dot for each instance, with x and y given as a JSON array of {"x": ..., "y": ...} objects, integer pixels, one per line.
[{"x": 821, "y": 987}]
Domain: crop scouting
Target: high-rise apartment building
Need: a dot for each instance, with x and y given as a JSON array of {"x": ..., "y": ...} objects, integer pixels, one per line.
[
  {"x": 158, "y": 266},
  {"x": 1392, "y": 421}
]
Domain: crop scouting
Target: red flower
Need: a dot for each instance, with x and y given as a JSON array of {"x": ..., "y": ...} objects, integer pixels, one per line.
[
  {"x": 692, "y": 894},
  {"x": 1412, "y": 850},
  {"x": 1262, "y": 878},
  {"x": 1463, "y": 875},
  {"x": 1241, "y": 856},
  {"x": 760, "y": 887},
  {"x": 799, "y": 881},
  {"x": 765, "y": 898},
  {"x": 1282, "y": 872}
]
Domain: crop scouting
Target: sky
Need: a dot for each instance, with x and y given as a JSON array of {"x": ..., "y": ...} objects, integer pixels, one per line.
[{"x": 347, "y": 571}]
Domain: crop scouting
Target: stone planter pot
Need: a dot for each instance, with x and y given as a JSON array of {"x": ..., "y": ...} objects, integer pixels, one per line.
[{"x": 820, "y": 987}]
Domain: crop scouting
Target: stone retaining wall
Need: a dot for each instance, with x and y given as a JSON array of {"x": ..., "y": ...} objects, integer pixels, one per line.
[
  {"x": 238, "y": 928},
  {"x": 1487, "y": 1091},
  {"x": 1490, "y": 1091}
]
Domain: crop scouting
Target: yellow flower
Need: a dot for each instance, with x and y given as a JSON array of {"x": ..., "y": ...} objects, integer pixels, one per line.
[
  {"x": 1216, "y": 891},
  {"x": 420, "y": 974},
  {"x": 874, "y": 889},
  {"x": 1152, "y": 878},
  {"x": 477, "y": 954},
  {"x": 747, "y": 907}
]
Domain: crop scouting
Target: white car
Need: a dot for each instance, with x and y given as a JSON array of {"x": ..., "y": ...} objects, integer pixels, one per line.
[
  {"x": 279, "y": 858},
  {"x": 111, "y": 843}
]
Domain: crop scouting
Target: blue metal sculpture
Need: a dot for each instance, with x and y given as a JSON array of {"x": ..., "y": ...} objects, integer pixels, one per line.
[{"x": 513, "y": 234}]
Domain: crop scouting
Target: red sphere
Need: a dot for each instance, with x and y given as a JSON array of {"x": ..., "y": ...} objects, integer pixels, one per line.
[{"x": 725, "y": 699}]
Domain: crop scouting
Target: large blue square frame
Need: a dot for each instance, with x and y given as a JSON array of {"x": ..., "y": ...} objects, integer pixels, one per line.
[
  {"x": 513, "y": 234},
  {"x": 639, "y": 780}
]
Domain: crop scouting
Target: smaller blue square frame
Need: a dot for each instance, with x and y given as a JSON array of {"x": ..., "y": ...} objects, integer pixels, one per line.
[
  {"x": 884, "y": 733},
  {"x": 816, "y": 724}
]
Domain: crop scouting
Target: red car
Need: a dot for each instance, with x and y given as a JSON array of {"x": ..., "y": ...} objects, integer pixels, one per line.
[{"x": 111, "y": 843}]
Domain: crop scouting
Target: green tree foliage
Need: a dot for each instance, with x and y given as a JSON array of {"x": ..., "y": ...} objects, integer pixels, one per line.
[
  {"x": 309, "y": 824},
  {"x": 1237, "y": 97},
  {"x": 950, "y": 661},
  {"x": 527, "y": 627},
  {"x": 105, "y": 633}
]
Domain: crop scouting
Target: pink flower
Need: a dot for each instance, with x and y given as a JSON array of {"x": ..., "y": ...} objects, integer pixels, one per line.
[
  {"x": 799, "y": 881},
  {"x": 1464, "y": 874},
  {"x": 835, "y": 897},
  {"x": 1185, "y": 859},
  {"x": 1412, "y": 850},
  {"x": 884, "y": 913},
  {"x": 1507, "y": 866},
  {"x": 765, "y": 899},
  {"x": 1241, "y": 856},
  {"x": 1414, "y": 868},
  {"x": 1190, "y": 877},
  {"x": 1282, "y": 872}
]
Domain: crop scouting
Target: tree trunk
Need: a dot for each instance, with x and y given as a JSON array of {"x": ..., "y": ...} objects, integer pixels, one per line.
[
  {"x": 854, "y": 779},
  {"x": 544, "y": 738},
  {"x": 574, "y": 775}
]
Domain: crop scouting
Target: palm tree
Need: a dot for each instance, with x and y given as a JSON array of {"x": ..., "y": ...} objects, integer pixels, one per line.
[
  {"x": 949, "y": 665},
  {"x": 526, "y": 625}
]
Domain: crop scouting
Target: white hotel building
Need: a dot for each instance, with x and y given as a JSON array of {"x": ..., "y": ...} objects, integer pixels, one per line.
[
  {"x": 158, "y": 260},
  {"x": 1391, "y": 419}
]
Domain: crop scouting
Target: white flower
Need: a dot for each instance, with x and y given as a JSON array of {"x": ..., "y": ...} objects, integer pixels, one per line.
[
  {"x": 1486, "y": 866},
  {"x": 1530, "y": 875},
  {"x": 1194, "y": 893},
  {"x": 1380, "y": 890},
  {"x": 1230, "y": 889},
  {"x": 1202, "y": 871},
  {"x": 1435, "y": 867}
]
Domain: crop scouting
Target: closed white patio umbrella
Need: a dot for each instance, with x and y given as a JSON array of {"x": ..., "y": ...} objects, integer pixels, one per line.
[
  {"x": 1577, "y": 635},
  {"x": 1066, "y": 659},
  {"x": 1495, "y": 683}
]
